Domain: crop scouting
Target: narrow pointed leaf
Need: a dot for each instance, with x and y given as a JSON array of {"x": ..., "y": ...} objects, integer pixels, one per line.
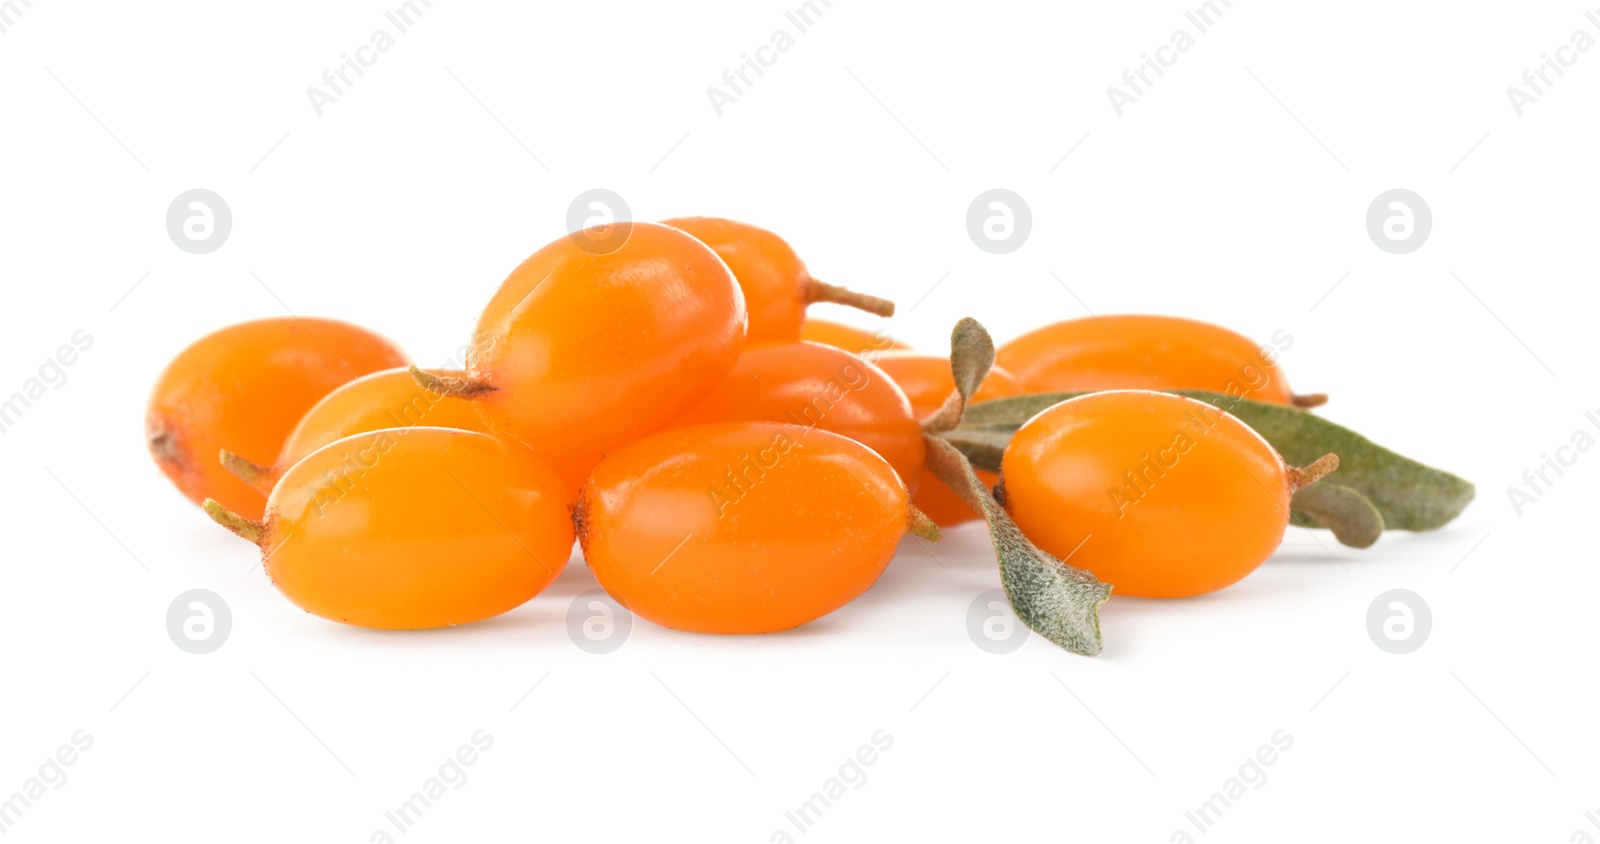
[
  {"x": 1354, "y": 520},
  {"x": 971, "y": 357},
  {"x": 983, "y": 449},
  {"x": 1408, "y": 494},
  {"x": 1055, "y": 600}
]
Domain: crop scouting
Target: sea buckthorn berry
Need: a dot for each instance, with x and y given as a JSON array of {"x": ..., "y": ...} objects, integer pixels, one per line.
[
  {"x": 1141, "y": 352},
  {"x": 578, "y": 353},
  {"x": 857, "y": 341},
  {"x": 741, "y": 527},
  {"x": 777, "y": 286},
  {"x": 409, "y": 528},
  {"x": 387, "y": 399},
  {"x": 820, "y": 386},
  {"x": 244, "y": 388},
  {"x": 927, "y": 383},
  {"x": 1159, "y": 495}
]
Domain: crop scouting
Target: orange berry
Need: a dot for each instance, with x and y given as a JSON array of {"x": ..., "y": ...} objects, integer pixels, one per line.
[
  {"x": 244, "y": 388},
  {"x": 410, "y": 528},
  {"x": 740, "y": 527},
  {"x": 387, "y": 399},
  {"x": 581, "y": 352},
  {"x": 857, "y": 341},
  {"x": 1158, "y": 495},
  {"x": 814, "y": 385},
  {"x": 927, "y": 382},
  {"x": 1145, "y": 353},
  {"x": 777, "y": 286}
]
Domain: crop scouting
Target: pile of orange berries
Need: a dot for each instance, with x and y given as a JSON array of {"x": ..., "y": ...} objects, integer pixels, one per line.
[{"x": 726, "y": 464}]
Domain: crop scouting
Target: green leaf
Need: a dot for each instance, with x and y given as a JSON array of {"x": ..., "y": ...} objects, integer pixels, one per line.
[
  {"x": 1055, "y": 600},
  {"x": 971, "y": 357},
  {"x": 1407, "y": 495},
  {"x": 983, "y": 448},
  {"x": 1354, "y": 520}
]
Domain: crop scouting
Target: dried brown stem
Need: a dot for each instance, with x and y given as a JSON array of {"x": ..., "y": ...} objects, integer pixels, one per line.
[
  {"x": 918, "y": 524},
  {"x": 257, "y": 476},
  {"x": 1309, "y": 400},
  {"x": 451, "y": 386},
  {"x": 251, "y": 530},
  {"x": 821, "y": 291},
  {"x": 1320, "y": 468}
]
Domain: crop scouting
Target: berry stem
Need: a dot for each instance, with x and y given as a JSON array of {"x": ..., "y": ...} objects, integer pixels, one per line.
[
  {"x": 1309, "y": 400},
  {"x": 821, "y": 291},
  {"x": 251, "y": 530},
  {"x": 451, "y": 386},
  {"x": 918, "y": 524},
  {"x": 1318, "y": 469},
  {"x": 257, "y": 476}
]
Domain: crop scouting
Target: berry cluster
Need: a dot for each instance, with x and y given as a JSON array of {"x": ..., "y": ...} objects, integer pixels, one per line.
[{"x": 726, "y": 464}]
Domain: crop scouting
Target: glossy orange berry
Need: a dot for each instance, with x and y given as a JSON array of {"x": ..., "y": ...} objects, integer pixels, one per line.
[
  {"x": 741, "y": 527},
  {"x": 857, "y": 341},
  {"x": 1158, "y": 495},
  {"x": 581, "y": 351},
  {"x": 821, "y": 386},
  {"x": 777, "y": 286},
  {"x": 1142, "y": 352},
  {"x": 410, "y": 528},
  {"x": 387, "y": 399},
  {"x": 243, "y": 388},
  {"x": 927, "y": 382}
]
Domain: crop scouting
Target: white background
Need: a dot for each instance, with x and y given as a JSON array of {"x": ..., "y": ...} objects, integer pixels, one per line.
[{"x": 1235, "y": 191}]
